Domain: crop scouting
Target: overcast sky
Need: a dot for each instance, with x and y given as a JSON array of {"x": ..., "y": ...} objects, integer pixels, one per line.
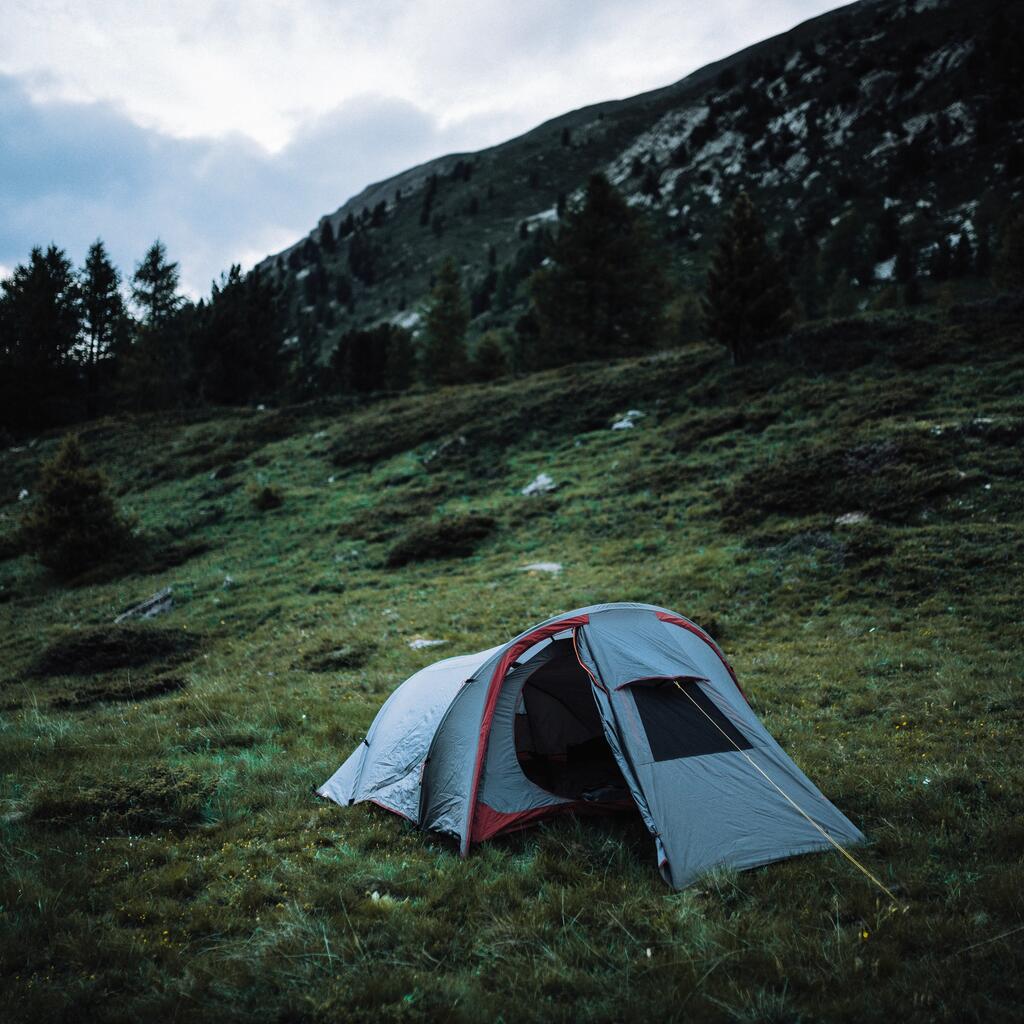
[{"x": 228, "y": 128}]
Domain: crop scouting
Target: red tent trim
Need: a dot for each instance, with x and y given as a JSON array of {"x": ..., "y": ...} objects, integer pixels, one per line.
[
  {"x": 697, "y": 631},
  {"x": 512, "y": 652}
]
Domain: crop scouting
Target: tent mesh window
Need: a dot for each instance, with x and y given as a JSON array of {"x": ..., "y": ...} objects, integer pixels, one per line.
[{"x": 677, "y": 728}]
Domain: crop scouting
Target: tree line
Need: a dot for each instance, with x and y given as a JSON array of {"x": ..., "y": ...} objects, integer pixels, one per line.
[{"x": 73, "y": 346}]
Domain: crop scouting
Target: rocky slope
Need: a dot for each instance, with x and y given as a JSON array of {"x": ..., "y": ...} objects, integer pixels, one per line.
[{"x": 879, "y": 126}]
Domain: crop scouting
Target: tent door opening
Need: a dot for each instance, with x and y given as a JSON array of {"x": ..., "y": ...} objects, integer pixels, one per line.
[{"x": 560, "y": 741}]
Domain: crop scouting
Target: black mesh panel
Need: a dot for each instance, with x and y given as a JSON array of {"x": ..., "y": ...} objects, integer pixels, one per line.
[{"x": 677, "y": 728}]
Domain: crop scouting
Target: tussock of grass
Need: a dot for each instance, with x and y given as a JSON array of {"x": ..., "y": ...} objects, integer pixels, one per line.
[
  {"x": 88, "y": 651},
  {"x": 157, "y": 797},
  {"x": 333, "y": 656},
  {"x": 891, "y": 477},
  {"x": 266, "y": 498},
  {"x": 116, "y": 689},
  {"x": 448, "y": 537}
]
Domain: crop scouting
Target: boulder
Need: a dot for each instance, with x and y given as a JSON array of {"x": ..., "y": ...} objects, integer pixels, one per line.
[{"x": 540, "y": 484}]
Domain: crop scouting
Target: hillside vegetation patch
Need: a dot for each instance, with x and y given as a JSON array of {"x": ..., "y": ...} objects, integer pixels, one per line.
[
  {"x": 892, "y": 478},
  {"x": 335, "y": 656},
  {"x": 118, "y": 688},
  {"x": 104, "y": 649},
  {"x": 157, "y": 798},
  {"x": 449, "y": 537}
]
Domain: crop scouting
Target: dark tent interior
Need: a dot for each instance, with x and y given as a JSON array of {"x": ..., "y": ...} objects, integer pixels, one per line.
[{"x": 560, "y": 741}]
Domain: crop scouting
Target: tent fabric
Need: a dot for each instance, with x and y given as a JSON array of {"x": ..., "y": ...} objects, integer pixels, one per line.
[{"x": 610, "y": 705}]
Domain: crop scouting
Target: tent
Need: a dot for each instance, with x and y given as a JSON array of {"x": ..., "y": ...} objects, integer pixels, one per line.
[{"x": 604, "y": 707}]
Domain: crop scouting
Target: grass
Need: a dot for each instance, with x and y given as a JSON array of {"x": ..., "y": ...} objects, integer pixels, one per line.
[{"x": 164, "y": 855}]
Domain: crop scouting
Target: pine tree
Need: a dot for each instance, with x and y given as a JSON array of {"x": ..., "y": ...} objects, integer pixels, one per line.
[
  {"x": 887, "y": 233},
  {"x": 983, "y": 257},
  {"x": 377, "y": 359},
  {"x": 962, "y": 259},
  {"x": 73, "y": 524},
  {"x": 1010, "y": 258},
  {"x": 40, "y": 325},
  {"x": 444, "y": 335},
  {"x": 603, "y": 293},
  {"x": 490, "y": 360},
  {"x": 429, "y": 191},
  {"x": 748, "y": 299},
  {"x": 327, "y": 241},
  {"x": 237, "y": 344},
  {"x": 104, "y": 315},
  {"x": 157, "y": 367},
  {"x": 941, "y": 260},
  {"x": 155, "y": 287},
  {"x": 362, "y": 257},
  {"x": 905, "y": 272}
]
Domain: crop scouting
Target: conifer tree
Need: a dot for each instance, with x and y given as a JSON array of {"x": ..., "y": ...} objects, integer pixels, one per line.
[
  {"x": 380, "y": 358},
  {"x": 603, "y": 293},
  {"x": 748, "y": 299},
  {"x": 905, "y": 272},
  {"x": 155, "y": 287},
  {"x": 40, "y": 325},
  {"x": 104, "y": 315},
  {"x": 72, "y": 524},
  {"x": 1010, "y": 261},
  {"x": 157, "y": 369},
  {"x": 962, "y": 259},
  {"x": 490, "y": 360},
  {"x": 941, "y": 259},
  {"x": 327, "y": 242},
  {"x": 237, "y": 342},
  {"x": 444, "y": 336}
]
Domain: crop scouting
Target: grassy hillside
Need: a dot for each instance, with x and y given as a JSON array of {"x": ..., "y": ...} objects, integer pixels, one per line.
[{"x": 164, "y": 855}]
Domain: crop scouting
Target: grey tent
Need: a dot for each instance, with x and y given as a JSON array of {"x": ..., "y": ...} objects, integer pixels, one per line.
[{"x": 608, "y": 706}]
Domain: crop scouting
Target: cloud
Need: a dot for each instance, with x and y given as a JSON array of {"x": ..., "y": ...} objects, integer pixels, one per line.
[
  {"x": 228, "y": 129},
  {"x": 77, "y": 171}
]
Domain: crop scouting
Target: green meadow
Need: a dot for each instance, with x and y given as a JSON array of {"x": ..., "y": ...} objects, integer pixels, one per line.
[{"x": 845, "y": 516}]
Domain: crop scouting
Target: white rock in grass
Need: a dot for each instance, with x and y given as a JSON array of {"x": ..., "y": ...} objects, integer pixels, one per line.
[
  {"x": 23, "y": 494},
  {"x": 419, "y": 643},
  {"x": 851, "y": 519},
  {"x": 540, "y": 484},
  {"x": 553, "y": 567},
  {"x": 628, "y": 421}
]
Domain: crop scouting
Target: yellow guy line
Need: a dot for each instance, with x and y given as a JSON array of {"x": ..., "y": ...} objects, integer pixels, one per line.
[{"x": 846, "y": 853}]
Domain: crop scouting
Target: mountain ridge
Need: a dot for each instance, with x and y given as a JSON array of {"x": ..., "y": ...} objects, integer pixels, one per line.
[{"x": 862, "y": 110}]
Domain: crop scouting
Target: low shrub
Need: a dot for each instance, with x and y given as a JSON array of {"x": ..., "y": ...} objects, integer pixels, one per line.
[
  {"x": 91, "y": 651},
  {"x": 449, "y": 537},
  {"x": 159, "y": 797},
  {"x": 335, "y": 656},
  {"x": 889, "y": 478},
  {"x": 266, "y": 498}
]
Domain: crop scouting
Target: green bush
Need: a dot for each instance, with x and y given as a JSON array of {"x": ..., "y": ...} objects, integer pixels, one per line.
[
  {"x": 73, "y": 524},
  {"x": 450, "y": 537},
  {"x": 155, "y": 798},
  {"x": 266, "y": 498},
  {"x": 108, "y": 648},
  {"x": 891, "y": 478}
]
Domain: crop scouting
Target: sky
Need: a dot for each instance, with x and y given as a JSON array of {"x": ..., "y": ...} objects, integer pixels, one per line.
[{"x": 227, "y": 129}]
